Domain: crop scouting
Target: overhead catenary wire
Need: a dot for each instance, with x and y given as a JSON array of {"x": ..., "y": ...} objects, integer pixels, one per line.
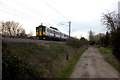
[
  {"x": 29, "y": 9},
  {"x": 6, "y": 10},
  {"x": 23, "y": 15},
  {"x": 57, "y": 13},
  {"x": 55, "y": 10},
  {"x": 16, "y": 12},
  {"x": 36, "y": 12},
  {"x": 10, "y": 10}
]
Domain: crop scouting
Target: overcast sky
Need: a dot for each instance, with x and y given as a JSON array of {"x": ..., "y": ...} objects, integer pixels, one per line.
[{"x": 84, "y": 15}]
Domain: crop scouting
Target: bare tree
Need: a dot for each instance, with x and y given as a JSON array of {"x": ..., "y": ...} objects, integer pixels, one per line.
[
  {"x": 110, "y": 20},
  {"x": 91, "y": 35},
  {"x": 12, "y": 29}
]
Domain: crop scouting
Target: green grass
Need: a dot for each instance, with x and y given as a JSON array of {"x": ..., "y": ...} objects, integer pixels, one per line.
[
  {"x": 105, "y": 50},
  {"x": 111, "y": 61},
  {"x": 66, "y": 72},
  {"x": 114, "y": 63}
]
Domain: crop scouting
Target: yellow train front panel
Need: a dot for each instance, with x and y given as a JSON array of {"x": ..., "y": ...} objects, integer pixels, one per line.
[
  {"x": 44, "y": 31},
  {"x": 36, "y": 33},
  {"x": 40, "y": 31}
]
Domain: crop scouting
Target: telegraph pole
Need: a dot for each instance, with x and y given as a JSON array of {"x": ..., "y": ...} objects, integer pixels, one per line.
[{"x": 69, "y": 27}]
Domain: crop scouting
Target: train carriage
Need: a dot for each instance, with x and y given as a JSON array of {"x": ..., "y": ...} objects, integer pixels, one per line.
[{"x": 43, "y": 32}]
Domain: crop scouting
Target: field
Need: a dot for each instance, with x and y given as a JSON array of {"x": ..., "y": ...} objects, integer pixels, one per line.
[{"x": 40, "y": 60}]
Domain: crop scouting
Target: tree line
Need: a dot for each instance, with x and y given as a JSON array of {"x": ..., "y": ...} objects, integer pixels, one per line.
[
  {"x": 13, "y": 29},
  {"x": 112, "y": 36}
]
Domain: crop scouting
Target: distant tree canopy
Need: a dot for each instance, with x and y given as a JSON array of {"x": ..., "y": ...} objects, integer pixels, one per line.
[
  {"x": 12, "y": 29},
  {"x": 91, "y": 35},
  {"x": 99, "y": 39},
  {"x": 91, "y": 38}
]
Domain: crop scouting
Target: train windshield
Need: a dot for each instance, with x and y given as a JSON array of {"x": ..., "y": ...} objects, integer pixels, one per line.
[
  {"x": 37, "y": 29},
  {"x": 43, "y": 28}
]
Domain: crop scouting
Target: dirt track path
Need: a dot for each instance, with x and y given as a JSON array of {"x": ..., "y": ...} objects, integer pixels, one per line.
[{"x": 92, "y": 65}]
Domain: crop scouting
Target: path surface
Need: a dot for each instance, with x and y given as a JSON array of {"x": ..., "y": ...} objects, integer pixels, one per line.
[{"x": 92, "y": 65}]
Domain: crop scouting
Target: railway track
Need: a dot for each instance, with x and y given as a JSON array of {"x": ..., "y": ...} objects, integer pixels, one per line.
[{"x": 21, "y": 40}]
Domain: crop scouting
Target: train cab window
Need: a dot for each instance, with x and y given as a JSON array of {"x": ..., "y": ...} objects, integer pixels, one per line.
[
  {"x": 43, "y": 28},
  {"x": 37, "y": 29},
  {"x": 40, "y": 29}
]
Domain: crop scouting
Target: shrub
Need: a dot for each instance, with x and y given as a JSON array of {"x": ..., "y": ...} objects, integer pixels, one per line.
[
  {"x": 15, "y": 68},
  {"x": 91, "y": 42},
  {"x": 116, "y": 42},
  {"x": 76, "y": 42}
]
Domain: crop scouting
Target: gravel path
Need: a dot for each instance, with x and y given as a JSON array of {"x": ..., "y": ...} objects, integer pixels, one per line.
[{"x": 92, "y": 65}]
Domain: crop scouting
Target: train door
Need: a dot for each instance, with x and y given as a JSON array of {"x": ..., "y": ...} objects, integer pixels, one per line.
[{"x": 40, "y": 31}]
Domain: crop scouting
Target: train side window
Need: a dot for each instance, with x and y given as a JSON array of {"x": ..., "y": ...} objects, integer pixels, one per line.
[
  {"x": 64, "y": 35},
  {"x": 58, "y": 33},
  {"x": 50, "y": 31},
  {"x": 47, "y": 30}
]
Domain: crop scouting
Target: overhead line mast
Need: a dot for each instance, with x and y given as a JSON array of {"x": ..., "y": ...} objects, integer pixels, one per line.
[{"x": 69, "y": 27}]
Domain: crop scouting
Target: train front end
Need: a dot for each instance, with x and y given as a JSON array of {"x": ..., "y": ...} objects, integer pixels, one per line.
[{"x": 41, "y": 32}]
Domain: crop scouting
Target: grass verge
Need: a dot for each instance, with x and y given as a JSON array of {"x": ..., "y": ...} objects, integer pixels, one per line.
[
  {"x": 111, "y": 60},
  {"x": 105, "y": 50},
  {"x": 114, "y": 63},
  {"x": 66, "y": 72}
]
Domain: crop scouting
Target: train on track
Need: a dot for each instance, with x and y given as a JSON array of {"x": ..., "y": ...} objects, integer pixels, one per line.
[{"x": 44, "y": 32}]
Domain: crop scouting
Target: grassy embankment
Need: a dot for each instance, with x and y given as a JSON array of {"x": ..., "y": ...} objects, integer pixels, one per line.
[
  {"x": 66, "y": 72},
  {"x": 110, "y": 59},
  {"x": 41, "y": 60}
]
